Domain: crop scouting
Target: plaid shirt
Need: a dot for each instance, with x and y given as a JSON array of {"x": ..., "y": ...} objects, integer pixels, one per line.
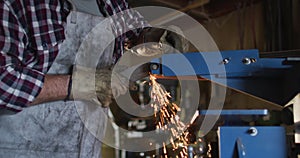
[
  {"x": 126, "y": 28},
  {"x": 31, "y": 33}
]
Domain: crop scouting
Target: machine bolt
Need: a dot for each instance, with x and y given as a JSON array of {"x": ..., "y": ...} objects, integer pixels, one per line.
[
  {"x": 246, "y": 61},
  {"x": 225, "y": 61},
  {"x": 154, "y": 66},
  {"x": 252, "y": 131}
]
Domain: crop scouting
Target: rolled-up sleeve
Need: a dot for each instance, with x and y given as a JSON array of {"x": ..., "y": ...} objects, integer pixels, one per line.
[
  {"x": 29, "y": 42},
  {"x": 19, "y": 86}
]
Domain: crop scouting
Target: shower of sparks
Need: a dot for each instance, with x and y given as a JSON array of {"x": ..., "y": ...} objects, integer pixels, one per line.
[{"x": 165, "y": 112}]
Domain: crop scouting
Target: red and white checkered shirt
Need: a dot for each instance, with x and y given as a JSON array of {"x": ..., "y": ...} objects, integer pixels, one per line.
[
  {"x": 31, "y": 32},
  {"x": 126, "y": 22},
  {"x": 30, "y": 35}
]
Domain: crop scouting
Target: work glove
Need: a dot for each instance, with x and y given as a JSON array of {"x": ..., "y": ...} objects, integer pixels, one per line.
[
  {"x": 99, "y": 86},
  {"x": 157, "y": 41},
  {"x": 151, "y": 43}
]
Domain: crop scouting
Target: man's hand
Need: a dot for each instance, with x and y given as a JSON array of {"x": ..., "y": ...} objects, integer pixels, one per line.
[
  {"x": 156, "y": 41},
  {"x": 108, "y": 84},
  {"x": 151, "y": 43},
  {"x": 99, "y": 86}
]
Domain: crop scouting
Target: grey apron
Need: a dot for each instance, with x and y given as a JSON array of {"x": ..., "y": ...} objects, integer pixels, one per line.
[{"x": 56, "y": 129}]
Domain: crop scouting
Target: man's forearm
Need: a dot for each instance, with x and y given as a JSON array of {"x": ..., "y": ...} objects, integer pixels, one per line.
[{"x": 55, "y": 88}]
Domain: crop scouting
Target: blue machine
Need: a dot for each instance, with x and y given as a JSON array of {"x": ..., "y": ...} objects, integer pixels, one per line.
[{"x": 272, "y": 79}]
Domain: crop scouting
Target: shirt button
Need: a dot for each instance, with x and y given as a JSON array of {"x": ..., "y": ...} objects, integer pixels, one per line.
[{"x": 45, "y": 45}]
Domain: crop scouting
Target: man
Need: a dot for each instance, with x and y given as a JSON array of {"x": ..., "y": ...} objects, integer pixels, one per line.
[
  {"x": 36, "y": 87},
  {"x": 33, "y": 45},
  {"x": 39, "y": 41}
]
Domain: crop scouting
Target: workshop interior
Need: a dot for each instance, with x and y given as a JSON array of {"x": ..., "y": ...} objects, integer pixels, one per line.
[
  {"x": 235, "y": 93},
  {"x": 258, "y": 45}
]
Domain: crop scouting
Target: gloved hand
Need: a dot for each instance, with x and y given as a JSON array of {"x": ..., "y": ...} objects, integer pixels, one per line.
[
  {"x": 156, "y": 41},
  {"x": 99, "y": 86},
  {"x": 151, "y": 43}
]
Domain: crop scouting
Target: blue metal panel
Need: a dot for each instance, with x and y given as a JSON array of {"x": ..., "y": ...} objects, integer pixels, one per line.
[
  {"x": 211, "y": 63},
  {"x": 261, "y": 77},
  {"x": 268, "y": 142}
]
